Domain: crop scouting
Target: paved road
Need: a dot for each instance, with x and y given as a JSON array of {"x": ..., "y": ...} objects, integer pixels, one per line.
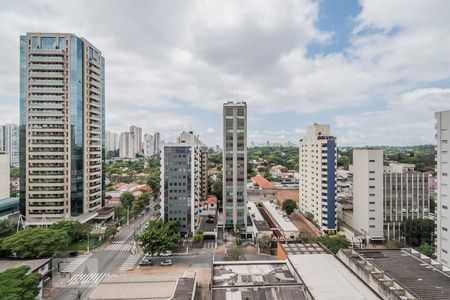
[{"x": 102, "y": 263}]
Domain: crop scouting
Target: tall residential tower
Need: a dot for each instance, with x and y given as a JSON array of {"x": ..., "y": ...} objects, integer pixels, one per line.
[
  {"x": 317, "y": 163},
  {"x": 62, "y": 127},
  {"x": 443, "y": 186},
  {"x": 234, "y": 199},
  {"x": 9, "y": 142}
]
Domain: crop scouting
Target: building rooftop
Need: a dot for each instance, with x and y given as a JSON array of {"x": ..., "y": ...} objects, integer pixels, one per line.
[
  {"x": 283, "y": 222},
  {"x": 299, "y": 248},
  {"x": 418, "y": 274},
  {"x": 255, "y": 280},
  {"x": 145, "y": 287},
  {"x": 257, "y": 219},
  {"x": 262, "y": 182},
  {"x": 327, "y": 278},
  {"x": 33, "y": 264}
]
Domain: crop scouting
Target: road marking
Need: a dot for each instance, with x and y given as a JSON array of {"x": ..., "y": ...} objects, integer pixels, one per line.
[
  {"x": 73, "y": 265},
  {"x": 89, "y": 278},
  {"x": 119, "y": 247},
  {"x": 130, "y": 262}
]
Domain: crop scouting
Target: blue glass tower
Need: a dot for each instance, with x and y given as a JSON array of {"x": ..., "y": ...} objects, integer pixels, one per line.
[{"x": 62, "y": 127}]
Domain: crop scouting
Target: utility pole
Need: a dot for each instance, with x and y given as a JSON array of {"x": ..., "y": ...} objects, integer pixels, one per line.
[{"x": 128, "y": 215}]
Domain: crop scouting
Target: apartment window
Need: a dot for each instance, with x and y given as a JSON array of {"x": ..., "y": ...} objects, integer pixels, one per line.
[
  {"x": 372, "y": 172},
  {"x": 371, "y": 178},
  {"x": 371, "y": 186},
  {"x": 445, "y": 228},
  {"x": 372, "y": 226},
  {"x": 372, "y": 202},
  {"x": 371, "y": 160},
  {"x": 444, "y": 206},
  {"x": 372, "y": 195},
  {"x": 372, "y": 210},
  {"x": 444, "y": 174},
  {"x": 372, "y": 219}
]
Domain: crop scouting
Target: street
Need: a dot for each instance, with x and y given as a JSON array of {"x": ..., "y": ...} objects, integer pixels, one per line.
[{"x": 102, "y": 263}]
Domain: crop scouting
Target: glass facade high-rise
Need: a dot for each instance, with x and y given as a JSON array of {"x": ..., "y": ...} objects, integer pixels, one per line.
[
  {"x": 234, "y": 199},
  {"x": 62, "y": 127}
]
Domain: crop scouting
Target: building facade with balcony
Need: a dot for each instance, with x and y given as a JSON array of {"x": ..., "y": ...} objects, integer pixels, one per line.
[
  {"x": 234, "y": 168},
  {"x": 181, "y": 182},
  {"x": 62, "y": 127},
  {"x": 317, "y": 164},
  {"x": 443, "y": 186},
  {"x": 406, "y": 196}
]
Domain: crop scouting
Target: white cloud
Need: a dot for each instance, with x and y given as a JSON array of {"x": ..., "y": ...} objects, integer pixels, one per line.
[{"x": 165, "y": 55}]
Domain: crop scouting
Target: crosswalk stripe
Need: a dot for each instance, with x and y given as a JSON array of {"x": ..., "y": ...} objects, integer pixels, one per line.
[
  {"x": 130, "y": 262},
  {"x": 119, "y": 247},
  {"x": 86, "y": 278},
  {"x": 73, "y": 265}
]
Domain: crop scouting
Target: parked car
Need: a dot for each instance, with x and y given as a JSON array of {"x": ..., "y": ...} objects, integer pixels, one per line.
[
  {"x": 211, "y": 217},
  {"x": 73, "y": 254},
  {"x": 166, "y": 262},
  {"x": 146, "y": 262},
  {"x": 166, "y": 254},
  {"x": 210, "y": 221}
]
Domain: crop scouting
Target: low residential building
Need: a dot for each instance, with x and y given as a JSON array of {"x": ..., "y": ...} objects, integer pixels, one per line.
[
  {"x": 260, "y": 227},
  {"x": 279, "y": 220}
]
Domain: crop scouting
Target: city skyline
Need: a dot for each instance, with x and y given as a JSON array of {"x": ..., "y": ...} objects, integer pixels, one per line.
[{"x": 342, "y": 64}]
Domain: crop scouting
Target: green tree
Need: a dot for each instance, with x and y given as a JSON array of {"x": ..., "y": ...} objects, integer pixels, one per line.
[
  {"x": 238, "y": 229},
  {"x": 265, "y": 243},
  {"x": 198, "y": 237},
  {"x": 426, "y": 249},
  {"x": 418, "y": 231},
  {"x": 334, "y": 242},
  {"x": 289, "y": 206},
  {"x": 127, "y": 199},
  {"x": 159, "y": 237},
  {"x": 6, "y": 228},
  {"x": 76, "y": 230},
  {"x": 305, "y": 237},
  {"x": 15, "y": 284},
  {"x": 110, "y": 231},
  {"x": 36, "y": 242}
]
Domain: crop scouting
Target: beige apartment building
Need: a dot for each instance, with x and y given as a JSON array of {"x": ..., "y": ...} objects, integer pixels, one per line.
[
  {"x": 235, "y": 163},
  {"x": 62, "y": 127}
]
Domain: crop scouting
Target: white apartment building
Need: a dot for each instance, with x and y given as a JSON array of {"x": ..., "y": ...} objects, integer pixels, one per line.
[
  {"x": 406, "y": 196},
  {"x": 149, "y": 145},
  {"x": 4, "y": 175},
  {"x": 317, "y": 164},
  {"x": 181, "y": 182},
  {"x": 367, "y": 171},
  {"x": 137, "y": 133},
  {"x": 126, "y": 145},
  {"x": 443, "y": 186},
  {"x": 9, "y": 142},
  {"x": 112, "y": 141},
  {"x": 157, "y": 141}
]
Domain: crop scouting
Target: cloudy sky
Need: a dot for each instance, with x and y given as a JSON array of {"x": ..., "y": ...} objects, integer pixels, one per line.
[{"x": 376, "y": 70}]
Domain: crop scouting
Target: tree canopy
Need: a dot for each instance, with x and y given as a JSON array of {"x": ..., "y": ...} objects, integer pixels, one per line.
[
  {"x": 334, "y": 242},
  {"x": 126, "y": 199},
  {"x": 289, "y": 206},
  {"x": 74, "y": 229},
  {"x": 6, "y": 228},
  {"x": 36, "y": 242},
  {"x": 159, "y": 237},
  {"x": 418, "y": 231},
  {"x": 17, "y": 285}
]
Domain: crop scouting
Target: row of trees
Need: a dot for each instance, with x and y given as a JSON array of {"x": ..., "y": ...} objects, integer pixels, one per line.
[
  {"x": 43, "y": 241},
  {"x": 131, "y": 206}
]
